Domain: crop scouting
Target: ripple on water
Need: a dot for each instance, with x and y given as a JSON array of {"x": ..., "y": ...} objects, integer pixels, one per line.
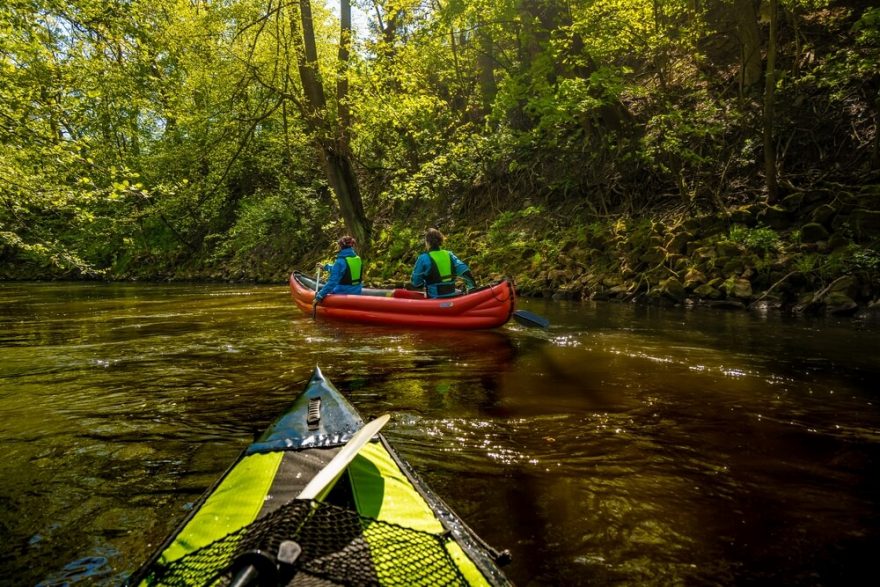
[{"x": 623, "y": 445}]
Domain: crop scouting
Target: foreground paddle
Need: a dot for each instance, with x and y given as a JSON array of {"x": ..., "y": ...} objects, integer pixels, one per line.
[
  {"x": 263, "y": 568},
  {"x": 527, "y": 318},
  {"x": 328, "y": 475}
]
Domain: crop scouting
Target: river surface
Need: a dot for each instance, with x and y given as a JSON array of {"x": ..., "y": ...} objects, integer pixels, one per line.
[{"x": 623, "y": 445}]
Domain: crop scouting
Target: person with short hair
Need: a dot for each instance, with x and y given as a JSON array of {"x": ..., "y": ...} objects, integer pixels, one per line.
[
  {"x": 346, "y": 272},
  {"x": 437, "y": 269}
]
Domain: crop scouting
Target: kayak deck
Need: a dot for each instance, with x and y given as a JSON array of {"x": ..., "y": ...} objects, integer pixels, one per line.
[{"x": 379, "y": 524}]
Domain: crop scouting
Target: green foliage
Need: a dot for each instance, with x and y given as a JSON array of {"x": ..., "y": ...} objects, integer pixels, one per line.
[
  {"x": 268, "y": 224},
  {"x": 806, "y": 264},
  {"x": 142, "y": 137},
  {"x": 760, "y": 240},
  {"x": 865, "y": 260},
  {"x": 852, "y": 260},
  {"x": 853, "y": 64},
  {"x": 510, "y": 229},
  {"x": 856, "y": 260},
  {"x": 399, "y": 244}
]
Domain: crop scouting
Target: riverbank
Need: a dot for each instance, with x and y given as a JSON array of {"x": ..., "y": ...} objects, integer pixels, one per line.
[{"x": 816, "y": 252}]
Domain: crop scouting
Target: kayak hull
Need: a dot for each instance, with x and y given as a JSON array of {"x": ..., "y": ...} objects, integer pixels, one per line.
[
  {"x": 486, "y": 307},
  {"x": 378, "y": 485}
]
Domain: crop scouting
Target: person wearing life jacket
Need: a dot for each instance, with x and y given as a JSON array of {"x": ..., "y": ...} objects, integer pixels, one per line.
[
  {"x": 436, "y": 269},
  {"x": 346, "y": 272}
]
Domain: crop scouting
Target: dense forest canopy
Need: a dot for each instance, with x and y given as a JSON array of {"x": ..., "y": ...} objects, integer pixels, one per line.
[{"x": 195, "y": 138}]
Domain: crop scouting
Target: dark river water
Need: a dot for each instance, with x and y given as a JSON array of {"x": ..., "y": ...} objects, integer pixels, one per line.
[{"x": 624, "y": 445}]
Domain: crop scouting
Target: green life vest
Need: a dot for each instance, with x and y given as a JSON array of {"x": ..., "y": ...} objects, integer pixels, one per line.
[
  {"x": 353, "y": 267},
  {"x": 442, "y": 273},
  {"x": 441, "y": 267}
]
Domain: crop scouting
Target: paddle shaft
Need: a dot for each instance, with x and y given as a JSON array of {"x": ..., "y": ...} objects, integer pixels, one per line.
[
  {"x": 317, "y": 288},
  {"x": 328, "y": 475}
]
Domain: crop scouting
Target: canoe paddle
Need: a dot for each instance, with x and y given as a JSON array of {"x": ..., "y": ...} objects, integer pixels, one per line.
[
  {"x": 328, "y": 475},
  {"x": 317, "y": 288},
  {"x": 527, "y": 318},
  {"x": 263, "y": 568},
  {"x": 531, "y": 319}
]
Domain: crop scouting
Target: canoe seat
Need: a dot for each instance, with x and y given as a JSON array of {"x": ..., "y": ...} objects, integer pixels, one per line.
[{"x": 408, "y": 294}]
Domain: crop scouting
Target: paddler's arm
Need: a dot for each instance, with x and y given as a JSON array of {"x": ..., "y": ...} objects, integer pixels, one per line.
[
  {"x": 337, "y": 270},
  {"x": 463, "y": 271},
  {"x": 421, "y": 270}
]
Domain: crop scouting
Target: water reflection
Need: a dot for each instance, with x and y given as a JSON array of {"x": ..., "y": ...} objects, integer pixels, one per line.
[{"x": 623, "y": 445}]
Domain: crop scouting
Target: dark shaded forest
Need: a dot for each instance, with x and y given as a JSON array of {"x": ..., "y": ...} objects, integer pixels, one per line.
[{"x": 722, "y": 152}]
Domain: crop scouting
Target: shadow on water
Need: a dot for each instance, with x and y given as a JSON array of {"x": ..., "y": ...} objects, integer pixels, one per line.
[{"x": 623, "y": 445}]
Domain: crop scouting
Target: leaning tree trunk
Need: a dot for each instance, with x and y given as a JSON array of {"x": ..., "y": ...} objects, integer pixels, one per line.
[
  {"x": 769, "y": 116},
  {"x": 332, "y": 143}
]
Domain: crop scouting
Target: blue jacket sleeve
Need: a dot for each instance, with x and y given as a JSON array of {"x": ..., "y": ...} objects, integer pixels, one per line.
[
  {"x": 336, "y": 273},
  {"x": 421, "y": 270},
  {"x": 460, "y": 267}
]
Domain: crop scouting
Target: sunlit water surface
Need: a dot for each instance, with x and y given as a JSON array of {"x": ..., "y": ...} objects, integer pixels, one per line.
[{"x": 624, "y": 445}]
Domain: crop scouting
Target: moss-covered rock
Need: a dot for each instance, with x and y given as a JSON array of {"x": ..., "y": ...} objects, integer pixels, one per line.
[
  {"x": 775, "y": 217},
  {"x": 678, "y": 262},
  {"x": 838, "y": 303},
  {"x": 813, "y": 232},
  {"x": 679, "y": 241},
  {"x": 865, "y": 224},
  {"x": 653, "y": 257},
  {"x": 793, "y": 202},
  {"x": 824, "y": 214},
  {"x": 847, "y": 284},
  {"x": 838, "y": 240},
  {"x": 735, "y": 265},
  {"x": 744, "y": 215},
  {"x": 707, "y": 292},
  {"x": 706, "y": 252},
  {"x": 726, "y": 248},
  {"x": 737, "y": 288},
  {"x": 610, "y": 281},
  {"x": 694, "y": 278}
]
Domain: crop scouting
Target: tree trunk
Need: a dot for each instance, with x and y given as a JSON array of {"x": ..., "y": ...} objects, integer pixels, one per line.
[
  {"x": 750, "y": 43},
  {"x": 769, "y": 116},
  {"x": 875, "y": 152},
  {"x": 332, "y": 143},
  {"x": 309, "y": 73},
  {"x": 342, "y": 74},
  {"x": 340, "y": 174},
  {"x": 486, "y": 66}
]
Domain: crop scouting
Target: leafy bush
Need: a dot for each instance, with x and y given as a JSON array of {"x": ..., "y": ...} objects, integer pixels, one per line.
[
  {"x": 271, "y": 224},
  {"x": 761, "y": 240},
  {"x": 853, "y": 259},
  {"x": 507, "y": 230}
]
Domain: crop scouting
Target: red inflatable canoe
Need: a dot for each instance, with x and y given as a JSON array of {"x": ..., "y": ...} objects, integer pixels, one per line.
[{"x": 489, "y": 306}]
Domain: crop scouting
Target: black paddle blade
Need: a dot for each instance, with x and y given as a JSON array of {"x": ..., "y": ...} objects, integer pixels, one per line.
[{"x": 530, "y": 319}]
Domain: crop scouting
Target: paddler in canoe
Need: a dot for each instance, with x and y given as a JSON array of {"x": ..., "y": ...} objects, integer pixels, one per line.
[
  {"x": 346, "y": 272},
  {"x": 436, "y": 269}
]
